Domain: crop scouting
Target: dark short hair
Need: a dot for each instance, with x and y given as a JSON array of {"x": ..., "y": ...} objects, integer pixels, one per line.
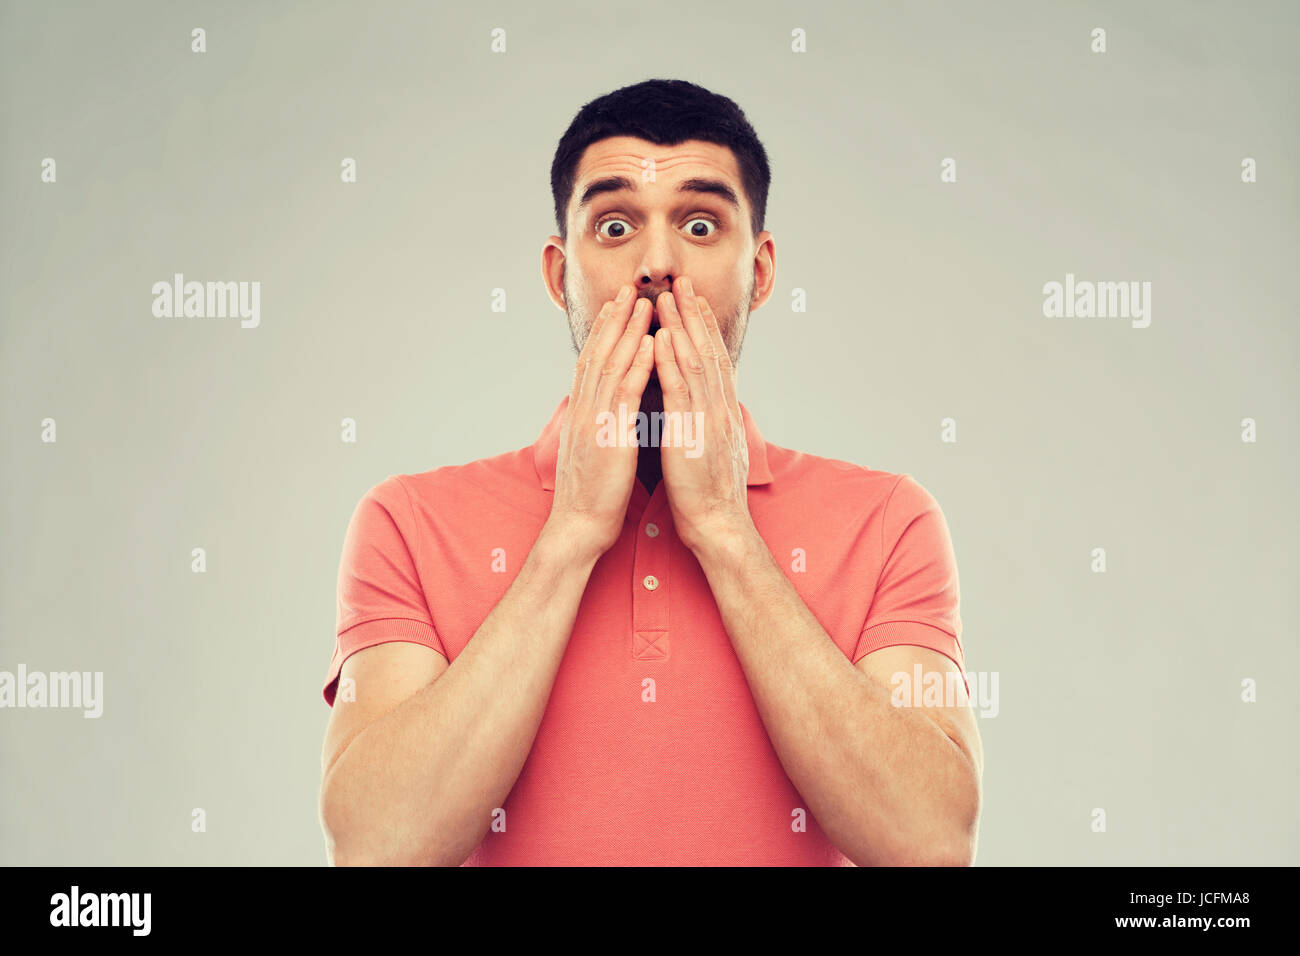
[{"x": 666, "y": 112}]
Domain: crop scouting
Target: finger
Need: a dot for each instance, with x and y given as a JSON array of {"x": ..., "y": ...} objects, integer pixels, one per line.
[
  {"x": 676, "y": 391},
  {"x": 634, "y": 382},
  {"x": 609, "y": 324},
  {"x": 705, "y": 347},
  {"x": 580, "y": 366},
  {"x": 727, "y": 370},
  {"x": 625, "y": 350},
  {"x": 690, "y": 368}
]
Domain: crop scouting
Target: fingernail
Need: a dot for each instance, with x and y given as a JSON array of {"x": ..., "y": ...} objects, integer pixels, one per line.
[
  {"x": 623, "y": 293},
  {"x": 687, "y": 287}
]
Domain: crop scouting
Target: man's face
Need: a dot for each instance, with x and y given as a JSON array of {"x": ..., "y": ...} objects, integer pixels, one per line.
[{"x": 650, "y": 234}]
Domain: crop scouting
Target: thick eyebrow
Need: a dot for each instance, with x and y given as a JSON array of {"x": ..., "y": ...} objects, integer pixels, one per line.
[{"x": 613, "y": 184}]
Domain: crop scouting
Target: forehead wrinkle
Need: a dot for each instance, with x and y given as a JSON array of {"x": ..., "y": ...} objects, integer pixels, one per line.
[
  {"x": 628, "y": 165},
  {"x": 718, "y": 186},
  {"x": 613, "y": 166}
]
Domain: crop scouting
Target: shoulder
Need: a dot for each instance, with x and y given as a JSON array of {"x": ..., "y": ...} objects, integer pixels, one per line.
[
  {"x": 508, "y": 480},
  {"x": 835, "y": 484}
]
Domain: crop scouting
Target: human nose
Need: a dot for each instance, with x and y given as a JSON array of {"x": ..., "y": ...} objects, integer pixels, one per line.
[{"x": 658, "y": 267}]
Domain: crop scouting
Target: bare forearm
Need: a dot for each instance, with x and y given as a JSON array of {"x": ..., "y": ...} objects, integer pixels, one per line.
[
  {"x": 885, "y": 783},
  {"x": 418, "y": 786}
]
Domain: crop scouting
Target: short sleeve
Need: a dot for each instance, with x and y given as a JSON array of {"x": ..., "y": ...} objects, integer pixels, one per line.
[
  {"x": 380, "y": 597},
  {"x": 917, "y": 594}
]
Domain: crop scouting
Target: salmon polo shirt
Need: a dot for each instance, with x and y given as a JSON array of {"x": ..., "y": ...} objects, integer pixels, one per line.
[{"x": 651, "y": 750}]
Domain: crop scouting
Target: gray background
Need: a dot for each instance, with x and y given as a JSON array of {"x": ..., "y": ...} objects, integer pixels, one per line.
[{"x": 1117, "y": 690}]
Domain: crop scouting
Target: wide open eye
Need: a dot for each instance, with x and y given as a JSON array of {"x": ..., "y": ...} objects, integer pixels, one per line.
[
  {"x": 713, "y": 227},
  {"x": 620, "y": 227},
  {"x": 612, "y": 220}
]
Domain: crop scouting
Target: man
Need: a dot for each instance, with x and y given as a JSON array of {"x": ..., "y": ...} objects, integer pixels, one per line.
[{"x": 673, "y": 645}]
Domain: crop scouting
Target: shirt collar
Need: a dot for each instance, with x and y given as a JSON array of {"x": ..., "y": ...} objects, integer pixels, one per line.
[{"x": 546, "y": 450}]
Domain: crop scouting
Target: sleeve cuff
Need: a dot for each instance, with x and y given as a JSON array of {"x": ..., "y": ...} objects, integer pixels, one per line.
[
  {"x": 893, "y": 633},
  {"x": 380, "y": 631}
]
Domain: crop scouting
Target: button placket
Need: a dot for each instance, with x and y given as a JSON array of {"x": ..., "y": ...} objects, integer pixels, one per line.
[{"x": 650, "y": 594}]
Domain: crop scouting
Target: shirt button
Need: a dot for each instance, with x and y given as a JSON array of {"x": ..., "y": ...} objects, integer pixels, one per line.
[
  {"x": 652, "y": 530},
  {"x": 650, "y": 582}
]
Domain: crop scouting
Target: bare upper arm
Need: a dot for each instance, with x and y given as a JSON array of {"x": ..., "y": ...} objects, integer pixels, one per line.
[
  {"x": 954, "y": 714},
  {"x": 382, "y": 677}
]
